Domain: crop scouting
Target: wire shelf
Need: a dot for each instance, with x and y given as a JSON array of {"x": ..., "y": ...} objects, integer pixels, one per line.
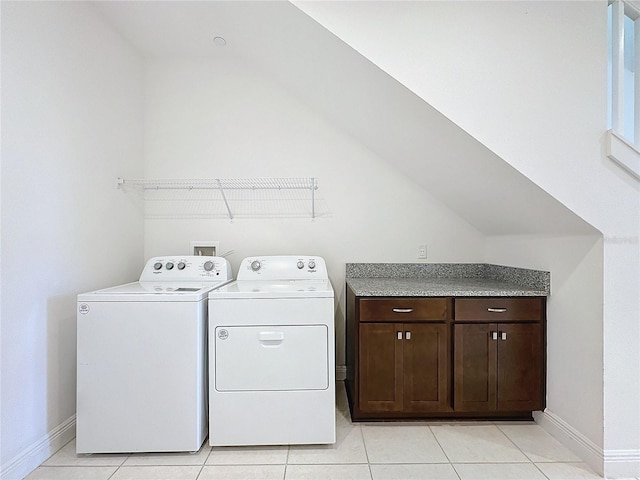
[{"x": 230, "y": 198}]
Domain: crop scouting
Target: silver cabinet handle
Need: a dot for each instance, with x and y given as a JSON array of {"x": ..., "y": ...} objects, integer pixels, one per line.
[
  {"x": 503, "y": 335},
  {"x": 407, "y": 335},
  {"x": 403, "y": 310},
  {"x": 399, "y": 335},
  {"x": 496, "y": 310},
  {"x": 494, "y": 335}
]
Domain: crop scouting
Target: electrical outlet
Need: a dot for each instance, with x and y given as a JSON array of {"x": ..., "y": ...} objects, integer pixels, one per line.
[
  {"x": 207, "y": 248},
  {"x": 422, "y": 251}
]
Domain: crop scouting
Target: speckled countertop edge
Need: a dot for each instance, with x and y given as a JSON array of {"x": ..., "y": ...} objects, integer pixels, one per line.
[{"x": 445, "y": 279}]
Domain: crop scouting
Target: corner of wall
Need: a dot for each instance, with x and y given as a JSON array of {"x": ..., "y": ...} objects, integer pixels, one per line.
[
  {"x": 36, "y": 453},
  {"x": 571, "y": 438}
]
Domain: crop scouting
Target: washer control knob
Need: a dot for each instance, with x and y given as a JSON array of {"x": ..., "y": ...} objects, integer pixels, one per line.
[
  {"x": 312, "y": 264},
  {"x": 169, "y": 266},
  {"x": 157, "y": 266},
  {"x": 181, "y": 265},
  {"x": 300, "y": 264},
  {"x": 256, "y": 265},
  {"x": 208, "y": 266}
]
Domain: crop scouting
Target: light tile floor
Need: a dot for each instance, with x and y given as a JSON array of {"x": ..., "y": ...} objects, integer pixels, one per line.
[{"x": 371, "y": 451}]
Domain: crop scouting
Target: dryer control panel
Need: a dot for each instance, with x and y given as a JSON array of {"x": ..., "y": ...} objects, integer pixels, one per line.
[
  {"x": 186, "y": 268},
  {"x": 283, "y": 267}
]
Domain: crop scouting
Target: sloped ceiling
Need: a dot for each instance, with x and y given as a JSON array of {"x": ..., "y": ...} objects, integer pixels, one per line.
[{"x": 357, "y": 97}]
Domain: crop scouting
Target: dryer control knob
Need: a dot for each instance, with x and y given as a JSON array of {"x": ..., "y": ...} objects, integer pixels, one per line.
[
  {"x": 312, "y": 264},
  {"x": 300, "y": 264},
  {"x": 208, "y": 266},
  {"x": 255, "y": 265},
  {"x": 181, "y": 266},
  {"x": 157, "y": 266},
  {"x": 169, "y": 265}
]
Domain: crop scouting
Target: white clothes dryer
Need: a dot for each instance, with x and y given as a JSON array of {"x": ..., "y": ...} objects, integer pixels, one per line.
[
  {"x": 142, "y": 359},
  {"x": 272, "y": 354}
]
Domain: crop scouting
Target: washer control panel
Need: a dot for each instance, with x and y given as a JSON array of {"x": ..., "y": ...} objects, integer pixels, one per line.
[
  {"x": 283, "y": 267},
  {"x": 187, "y": 268}
]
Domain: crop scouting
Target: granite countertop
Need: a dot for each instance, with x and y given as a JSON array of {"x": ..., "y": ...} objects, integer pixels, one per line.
[{"x": 445, "y": 280}]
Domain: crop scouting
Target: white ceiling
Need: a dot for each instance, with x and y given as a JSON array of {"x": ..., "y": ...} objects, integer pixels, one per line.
[{"x": 357, "y": 97}]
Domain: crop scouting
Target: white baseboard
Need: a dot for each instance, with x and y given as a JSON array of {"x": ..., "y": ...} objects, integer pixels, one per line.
[
  {"x": 610, "y": 463},
  {"x": 622, "y": 463},
  {"x": 572, "y": 439},
  {"x": 31, "y": 457}
]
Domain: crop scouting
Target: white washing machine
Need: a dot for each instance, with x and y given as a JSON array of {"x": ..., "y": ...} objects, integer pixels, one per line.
[
  {"x": 272, "y": 354},
  {"x": 142, "y": 359}
]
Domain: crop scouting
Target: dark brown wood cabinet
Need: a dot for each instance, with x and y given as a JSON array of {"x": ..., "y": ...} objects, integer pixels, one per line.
[
  {"x": 445, "y": 357},
  {"x": 499, "y": 358},
  {"x": 498, "y": 367},
  {"x": 403, "y": 367},
  {"x": 398, "y": 356}
]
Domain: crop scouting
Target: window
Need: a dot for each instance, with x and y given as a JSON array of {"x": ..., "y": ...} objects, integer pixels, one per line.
[
  {"x": 624, "y": 84},
  {"x": 623, "y": 139}
]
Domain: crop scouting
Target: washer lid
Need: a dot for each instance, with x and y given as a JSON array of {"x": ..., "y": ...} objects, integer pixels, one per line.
[
  {"x": 274, "y": 289},
  {"x": 153, "y": 292}
]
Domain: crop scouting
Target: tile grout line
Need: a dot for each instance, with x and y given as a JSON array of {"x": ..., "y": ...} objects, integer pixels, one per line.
[
  {"x": 286, "y": 463},
  {"x": 364, "y": 444},
  {"x": 444, "y": 452},
  {"x": 521, "y": 451},
  {"x": 206, "y": 442},
  {"x": 118, "y": 467},
  {"x": 206, "y": 459}
]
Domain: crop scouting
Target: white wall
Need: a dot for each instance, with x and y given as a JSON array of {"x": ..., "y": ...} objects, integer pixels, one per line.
[
  {"x": 529, "y": 82},
  {"x": 529, "y": 68},
  {"x": 574, "y": 328},
  {"x": 223, "y": 119},
  {"x": 72, "y": 117},
  {"x": 71, "y": 124}
]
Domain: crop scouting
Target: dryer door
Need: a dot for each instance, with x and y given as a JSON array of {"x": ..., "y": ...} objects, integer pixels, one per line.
[{"x": 271, "y": 357}]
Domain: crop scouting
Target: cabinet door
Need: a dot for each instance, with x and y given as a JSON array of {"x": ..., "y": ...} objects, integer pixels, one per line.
[
  {"x": 475, "y": 360},
  {"x": 519, "y": 367},
  {"x": 380, "y": 367},
  {"x": 426, "y": 371}
]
